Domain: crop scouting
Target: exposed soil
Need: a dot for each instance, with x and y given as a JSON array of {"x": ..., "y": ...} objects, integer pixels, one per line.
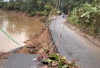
[
  {"x": 40, "y": 44},
  {"x": 3, "y": 56},
  {"x": 43, "y": 45}
]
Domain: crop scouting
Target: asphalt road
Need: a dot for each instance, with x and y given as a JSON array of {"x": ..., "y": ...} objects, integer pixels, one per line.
[
  {"x": 74, "y": 46},
  {"x": 20, "y": 61}
]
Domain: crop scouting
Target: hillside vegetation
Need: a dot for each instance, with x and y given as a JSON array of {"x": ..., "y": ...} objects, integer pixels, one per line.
[
  {"x": 85, "y": 15},
  {"x": 40, "y": 7}
]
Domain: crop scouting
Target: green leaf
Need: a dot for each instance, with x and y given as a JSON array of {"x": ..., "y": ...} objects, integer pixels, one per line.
[
  {"x": 54, "y": 57},
  {"x": 64, "y": 66},
  {"x": 61, "y": 65},
  {"x": 47, "y": 61}
]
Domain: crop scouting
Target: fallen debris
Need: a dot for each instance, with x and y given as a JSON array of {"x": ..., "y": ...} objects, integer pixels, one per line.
[
  {"x": 42, "y": 44},
  {"x": 57, "y": 61},
  {"x": 3, "y": 56}
]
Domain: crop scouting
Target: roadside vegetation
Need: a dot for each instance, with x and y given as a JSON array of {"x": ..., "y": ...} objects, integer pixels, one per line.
[{"x": 85, "y": 14}]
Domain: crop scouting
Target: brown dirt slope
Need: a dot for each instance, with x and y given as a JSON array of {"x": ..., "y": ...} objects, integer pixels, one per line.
[{"x": 41, "y": 43}]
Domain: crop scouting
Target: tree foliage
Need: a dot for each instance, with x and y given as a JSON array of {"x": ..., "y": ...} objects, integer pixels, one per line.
[
  {"x": 87, "y": 16},
  {"x": 41, "y": 7}
]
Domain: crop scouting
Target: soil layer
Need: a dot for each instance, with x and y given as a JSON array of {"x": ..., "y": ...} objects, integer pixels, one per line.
[{"x": 41, "y": 44}]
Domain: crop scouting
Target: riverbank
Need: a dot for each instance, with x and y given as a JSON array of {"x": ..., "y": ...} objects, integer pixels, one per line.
[
  {"x": 3, "y": 56},
  {"x": 18, "y": 25},
  {"x": 42, "y": 40},
  {"x": 36, "y": 17},
  {"x": 42, "y": 44}
]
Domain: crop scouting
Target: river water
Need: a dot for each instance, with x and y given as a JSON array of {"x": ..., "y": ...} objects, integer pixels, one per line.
[{"x": 18, "y": 27}]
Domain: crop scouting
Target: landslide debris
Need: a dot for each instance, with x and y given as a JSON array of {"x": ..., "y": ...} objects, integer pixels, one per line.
[
  {"x": 3, "y": 56},
  {"x": 57, "y": 61},
  {"x": 41, "y": 44}
]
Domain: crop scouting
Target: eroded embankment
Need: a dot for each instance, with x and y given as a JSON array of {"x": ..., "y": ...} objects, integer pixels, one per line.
[
  {"x": 18, "y": 27},
  {"x": 41, "y": 43}
]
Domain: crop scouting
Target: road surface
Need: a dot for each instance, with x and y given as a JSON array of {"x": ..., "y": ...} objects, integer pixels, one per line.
[
  {"x": 16, "y": 60},
  {"x": 74, "y": 46}
]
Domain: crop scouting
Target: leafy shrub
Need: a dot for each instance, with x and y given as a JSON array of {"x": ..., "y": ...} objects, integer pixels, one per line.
[
  {"x": 40, "y": 7},
  {"x": 73, "y": 18},
  {"x": 87, "y": 17},
  {"x": 32, "y": 14},
  {"x": 58, "y": 61}
]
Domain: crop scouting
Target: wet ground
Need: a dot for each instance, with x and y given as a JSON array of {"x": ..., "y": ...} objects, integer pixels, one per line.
[
  {"x": 74, "y": 46},
  {"x": 19, "y": 27}
]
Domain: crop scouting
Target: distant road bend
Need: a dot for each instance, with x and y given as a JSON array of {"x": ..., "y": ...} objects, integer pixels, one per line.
[{"x": 74, "y": 46}]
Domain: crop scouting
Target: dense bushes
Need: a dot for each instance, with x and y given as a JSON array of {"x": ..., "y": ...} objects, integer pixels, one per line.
[
  {"x": 40, "y": 7},
  {"x": 3, "y": 4},
  {"x": 13, "y": 6},
  {"x": 87, "y": 16}
]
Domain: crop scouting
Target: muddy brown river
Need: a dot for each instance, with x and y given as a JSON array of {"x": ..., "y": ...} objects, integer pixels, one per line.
[{"x": 17, "y": 27}]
